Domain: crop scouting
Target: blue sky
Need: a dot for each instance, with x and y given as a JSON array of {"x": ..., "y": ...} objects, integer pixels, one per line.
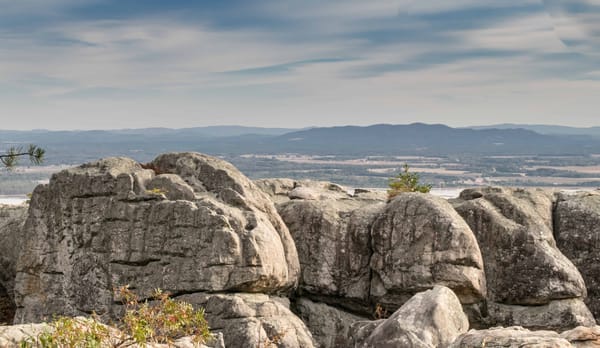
[{"x": 99, "y": 64}]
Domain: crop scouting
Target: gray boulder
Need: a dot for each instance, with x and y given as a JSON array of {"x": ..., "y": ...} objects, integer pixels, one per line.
[
  {"x": 95, "y": 227},
  {"x": 252, "y": 320},
  {"x": 557, "y": 315},
  {"x": 523, "y": 266},
  {"x": 433, "y": 318},
  {"x": 577, "y": 232},
  {"x": 12, "y": 219},
  {"x": 419, "y": 241},
  {"x": 283, "y": 190},
  {"x": 330, "y": 327},
  {"x": 510, "y": 337},
  {"x": 333, "y": 242}
]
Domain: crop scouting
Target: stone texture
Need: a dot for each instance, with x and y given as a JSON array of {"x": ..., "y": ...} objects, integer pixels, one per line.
[
  {"x": 433, "y": 318},
  {"x": 95, "y": 227},
  {"x": 333, "y": 242},
  {"x": 252, "y": 320},
  {"x": 419, "y": 241},
  {"x": 12, "y": 219},
  {"x": 510, "y": 337},
  {"x": 330, "y": 327},
  {"x": 557, "y": 315},
  {"x": 583, "y": 337},
  {"x": 523, "y": 266},
  {"x": 282, "y": 190},
  {"x": 173, "y": 187},
  {"x": 577, "y": 232}
]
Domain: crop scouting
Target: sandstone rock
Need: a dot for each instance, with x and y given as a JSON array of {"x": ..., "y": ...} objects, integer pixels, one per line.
[
  {"x": 420, "y": 241},
  {"x": 333, "y": 243},
  {"x": 523, "y": 266},
  {"x": 94, "y": 227},
  {"x": 303, "y": 193},
  {"x": 253, "y": 320},
  {"x": 172, "y": 185},
  {"x": 433, "y": 318},
  {"x": 282, "y": 190},
  {"x": 510, "y": 337},
  {"x": 330, "y": 327},
  {"x": 557, "y": 315},
  {"x": 12, "y": 219},
  {"x": 11, "y": 336},
  {"x": 583, "y": 337},
  {"x": 577, "y": 232}
]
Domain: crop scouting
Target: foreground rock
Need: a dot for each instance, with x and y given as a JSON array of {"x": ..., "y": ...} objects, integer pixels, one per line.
[
  {"x": 433, "y": 318},
  {"x": 577, "y": 231},
  {"x": 12, "y": 219},
  {"x": 523, "y": 266},
  {"x": 329, "y": 326},
  {"x": 253, "y": 320},
  {"x": 96, "y": 227},
  {"x": 510, "y": 337},
  {"x": 419, "y": 241},
  {"x": 517, "y": 337},
  {"x": 13, "y": 336}
]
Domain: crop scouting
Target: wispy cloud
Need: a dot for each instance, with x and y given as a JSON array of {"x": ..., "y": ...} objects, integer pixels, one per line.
[{"x": 296, "y": 63}]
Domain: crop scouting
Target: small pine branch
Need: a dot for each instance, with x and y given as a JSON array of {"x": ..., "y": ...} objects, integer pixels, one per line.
[{"x": 11, "y": 158}]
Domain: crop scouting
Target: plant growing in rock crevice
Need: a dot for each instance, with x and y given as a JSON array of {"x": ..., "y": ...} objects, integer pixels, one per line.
[
  {"x": 406, "y": 182},
  {"x": 162, "y": 321}
]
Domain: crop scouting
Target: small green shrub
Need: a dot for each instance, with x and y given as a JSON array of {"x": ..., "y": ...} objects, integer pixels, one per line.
[
  {"x": 406, "y": 182},
  {"x": 157, "y": 191},
  {"x": 162, "y": 321}
]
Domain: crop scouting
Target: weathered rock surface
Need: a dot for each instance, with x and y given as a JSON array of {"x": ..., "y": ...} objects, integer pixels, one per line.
[
  {"x": 419, "y": 241},
  {"x": 523, "y": 266},
  {"x": 333, "y": 242},
  {"x": 583, "y": 337},
  {"x": 557, "y": 315},
  {"x": 510, "y": 337},
  {"x": 96, "y": 227},
  {"x": 283, "y": 190},
  {"x": 330, "y": 327},
  {"x": 433, "y": 318},
  {"x": 253, "y": 320},
  {"x": 577, "y": 232},
  {"x": 12, "y": 219}
]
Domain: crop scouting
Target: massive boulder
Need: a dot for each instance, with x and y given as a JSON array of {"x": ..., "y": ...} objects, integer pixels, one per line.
[
  {"x": 523, "y": 266},
  {"x": 510, "y": 337},
  {"x": 333, "y": 242},
  {"x": 12, "y": 218},
  {"x": 252, "y": 320},
  {"x": 577, "y": 232},
  {"x": 430, "y": 319},
  {"x": 419, "y": 241},
  {"x": 97, "y": 227},
  {"x": 330, "y": 326}
]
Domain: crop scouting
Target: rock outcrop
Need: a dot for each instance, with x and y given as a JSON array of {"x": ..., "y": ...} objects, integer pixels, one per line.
[
  {"x": 419, "y": 241},
  {"x": 98, "y": 226},
  {"x": 253, "y": 320},
  {"x": 431, "y": 319},
  {"x": 329, "y": 326},
  {"x": 523, "y": 266},
  {"x": 12, "y": 219},
  {"x": 577, "y": 232}
]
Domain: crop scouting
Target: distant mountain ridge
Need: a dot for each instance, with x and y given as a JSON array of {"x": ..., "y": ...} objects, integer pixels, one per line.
[
  {"x": 546, "y": 129},
  {"x": 380, "y": 139}
]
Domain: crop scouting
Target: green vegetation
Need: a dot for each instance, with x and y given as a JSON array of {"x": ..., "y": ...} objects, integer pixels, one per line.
[
  {"x": 162, "y": 321},
  {"x": 406, "y": 182},
  {"x": 12, "y": 155}
]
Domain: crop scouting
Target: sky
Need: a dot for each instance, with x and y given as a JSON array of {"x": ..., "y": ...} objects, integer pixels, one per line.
[{"x": 107, "y": 64}]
